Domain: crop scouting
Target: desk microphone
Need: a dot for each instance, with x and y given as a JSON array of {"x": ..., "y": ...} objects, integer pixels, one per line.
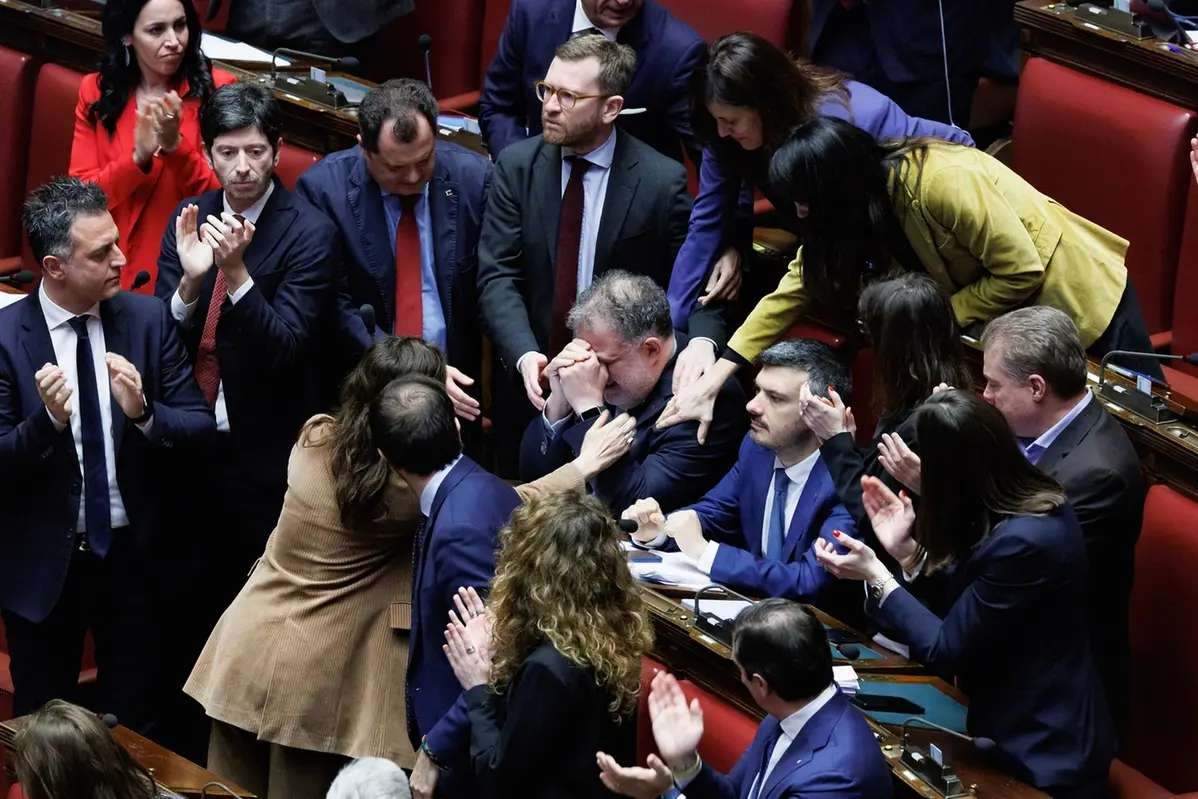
[
  {"x": 346, "y": 64},
  {"x": 629, "y": 525},
  {"x": 139, "y": 280},
  {"x": 426, "y": 44},
  {"x": 20, "y": 278},
  {"x": 979, "y": 743},
  {"x": 849, "y": 651},
  {"x": 368, "y": 318},
  {"x": 110, "y": 721}
]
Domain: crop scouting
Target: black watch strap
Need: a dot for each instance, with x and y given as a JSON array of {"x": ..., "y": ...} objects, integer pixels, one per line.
[
  {"x": 149, "y": 411},
  {"x": 590, "y": 413}
]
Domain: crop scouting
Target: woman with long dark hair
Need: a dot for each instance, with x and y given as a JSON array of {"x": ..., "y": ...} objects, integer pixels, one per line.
[
  {"x": 985, "y": 234},
  {"x": 1011, "y": 550},
  {"x": 562, "y": 661},
  {"x": 745, "y": 100},
  {"x": 306, "y": 667},
  {"x": 136, "y": 128},
  {"x": 909, "y": 323},
  {"x": 66, "y": 751}
]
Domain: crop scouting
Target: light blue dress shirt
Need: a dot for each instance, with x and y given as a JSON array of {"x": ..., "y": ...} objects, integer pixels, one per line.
[{"x": 430, "y": 300}]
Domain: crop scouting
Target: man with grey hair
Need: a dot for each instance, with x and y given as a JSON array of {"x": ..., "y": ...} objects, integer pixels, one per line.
[
  {"x": 370, "y": 778},
  {"x": 1035, "y": 371},
  {"x": 622, "y": 359},
  {"x": 755, "y": 530}
]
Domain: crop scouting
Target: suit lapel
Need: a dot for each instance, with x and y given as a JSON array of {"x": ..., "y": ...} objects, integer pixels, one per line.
[
  {"x": 621, "y": 192},
  {"x": 760, "y": 482},
  {"x": 36, "y": 339},
  {"x": 813, "y": 737},
  {"x": 276, "y": 219},
  {"x": 547, "y": 191},
  {"x": 1071, "y": 436},
  {"x": 366, "y": 201},
  {"x": 818, "y": 484},
  {"x": 116, "y": 339},
  {"x": 443, "y": 198}
]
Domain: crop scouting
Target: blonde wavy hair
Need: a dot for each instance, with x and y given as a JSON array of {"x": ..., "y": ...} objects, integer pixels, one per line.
[{"x": 563, "y": 578}]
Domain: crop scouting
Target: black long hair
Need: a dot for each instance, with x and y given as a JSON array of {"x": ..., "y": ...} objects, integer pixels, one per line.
[
  {"x": 119, "y": 79},
  {"x": 842, "y": 174}
]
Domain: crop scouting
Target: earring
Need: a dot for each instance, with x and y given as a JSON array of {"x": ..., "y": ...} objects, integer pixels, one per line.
[{"x": 127, "y": 59}]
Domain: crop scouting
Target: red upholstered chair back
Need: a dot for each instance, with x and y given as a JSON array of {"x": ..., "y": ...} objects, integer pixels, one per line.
[
  {"x": 1118, "y": 158},
  {"x": 645, "y": 745},
  {"x": 1185, "y": 321},
  {"x": 17, "y": 71},
  {"x": 494, "y": 18},
  {"x": 1162, "y": 738},
  {"x": 456, "y": 30},
  {"x": 712, "y": 19},
  {"x": 293, "y": 162},
  {"x": 727, "y": 732}
]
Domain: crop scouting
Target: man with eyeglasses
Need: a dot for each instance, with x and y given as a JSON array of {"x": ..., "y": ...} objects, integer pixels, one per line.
[
  {"x": 666, "y": 48},
  {"x": 566, "y": 206}
]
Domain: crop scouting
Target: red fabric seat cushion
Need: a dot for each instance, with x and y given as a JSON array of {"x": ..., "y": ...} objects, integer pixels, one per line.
[
  {"x": 293, "y": 162},
  {"x": 17, "y": 71},
  {"x": 712, "y": 19},
  {"x": 727, "y": 732}
]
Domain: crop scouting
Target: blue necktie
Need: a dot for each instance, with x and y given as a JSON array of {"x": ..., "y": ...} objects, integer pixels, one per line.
[
  {"x": 777, "y": 534},
  {"x": 1031, "y": 450},
  {"x": 770, "y": 743},
  {"x": 97, "y": 512}
]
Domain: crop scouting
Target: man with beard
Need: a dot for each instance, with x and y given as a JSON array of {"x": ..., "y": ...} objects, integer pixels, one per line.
[
  {"x": 755, "y": 530},
  {"x": 579, "y": 200}
]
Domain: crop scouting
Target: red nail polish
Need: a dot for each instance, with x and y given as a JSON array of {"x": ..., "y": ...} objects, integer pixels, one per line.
[
  {"x": 902, "y": 493},
  {"x": 836, "y": 533},
  {"x": 831, "y": 388}
]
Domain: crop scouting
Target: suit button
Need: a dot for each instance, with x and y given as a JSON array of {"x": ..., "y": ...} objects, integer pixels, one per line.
[
  {"x": 544, "y": 447},
  {"x": 70, "y": 535}
]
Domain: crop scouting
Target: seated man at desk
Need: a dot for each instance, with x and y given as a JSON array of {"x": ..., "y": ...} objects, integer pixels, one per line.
[
  {"x": 622, "y": 357},
  {"x": 813, "y": 742},
  {"x": 754, "y": 531}
]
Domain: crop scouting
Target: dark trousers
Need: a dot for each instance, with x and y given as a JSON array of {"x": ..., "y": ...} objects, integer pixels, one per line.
[
  {"x": 1127, "y": 331},
  {"x": 110, "y": 597}
]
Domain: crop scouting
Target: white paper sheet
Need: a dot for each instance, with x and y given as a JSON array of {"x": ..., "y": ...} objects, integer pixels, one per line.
[{"x": 218, "y": 48}]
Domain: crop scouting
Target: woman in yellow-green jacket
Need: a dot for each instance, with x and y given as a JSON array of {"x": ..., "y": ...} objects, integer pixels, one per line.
[{"x": 992, "y": 241}]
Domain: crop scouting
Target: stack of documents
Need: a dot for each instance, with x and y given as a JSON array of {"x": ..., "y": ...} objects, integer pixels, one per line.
[
  {"x": 667, "y": 568},
  {"x": 846, "y": 678}
]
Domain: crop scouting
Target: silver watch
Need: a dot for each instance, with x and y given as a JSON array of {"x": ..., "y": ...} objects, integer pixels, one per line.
[{"x": 878, "y": 587}]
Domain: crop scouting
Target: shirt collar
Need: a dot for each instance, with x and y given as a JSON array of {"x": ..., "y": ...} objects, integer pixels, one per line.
[
  {"x": 793, "y": 724},
  {"x": 386, "y": 194},
  {"x": 799, "y": 472},
  {"x": 56, "y": 315},
  {"x": 601, "y": 156},
  {"x": 433, "y": 485},
  {"x": 582, "y": 22},
  {"x": 1050, "y": 435},
  {"x": 254, "y": 211}
]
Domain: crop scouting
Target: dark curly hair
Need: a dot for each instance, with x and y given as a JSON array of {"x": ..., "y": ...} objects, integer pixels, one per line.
[{"x": 119, "y": 78}]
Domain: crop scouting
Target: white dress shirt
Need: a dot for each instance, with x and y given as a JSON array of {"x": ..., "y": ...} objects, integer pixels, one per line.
[
  {"x": 797, "y": 474},
  {"x": 583, "y": 23},
  {"x": 433, "y": 485},
  {"x": 65, "y": 343},
  {"x": 183, "y": 312},
  {"x": 792, "y": 725}
]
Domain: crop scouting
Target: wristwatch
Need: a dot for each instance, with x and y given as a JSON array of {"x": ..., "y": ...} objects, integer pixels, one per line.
[
  {"x": 590, "y": 413},
  {"x": 147, "y": 413},
  {"x": 878, "y": 587}
]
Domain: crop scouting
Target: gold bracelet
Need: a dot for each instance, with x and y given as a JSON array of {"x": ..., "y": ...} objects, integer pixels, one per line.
[{"x": 688, "y": 773}]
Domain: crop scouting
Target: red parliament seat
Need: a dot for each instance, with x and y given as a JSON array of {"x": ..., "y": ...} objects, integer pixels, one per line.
[
  {"x": 1162, "y": 736},
  {"x": 1117, "y": 157},
  {"x": 455, "y": 27},
  {"x": 52, "y": 129},
  {"x": 494, "y": 19},
  {"x": 17, "y": 72},
  {"x": 1181, "y": 376},
  {"x": 293, "y": 162}
]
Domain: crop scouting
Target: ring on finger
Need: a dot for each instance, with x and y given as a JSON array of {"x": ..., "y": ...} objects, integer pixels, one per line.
[{"x": 470, "y": 650}]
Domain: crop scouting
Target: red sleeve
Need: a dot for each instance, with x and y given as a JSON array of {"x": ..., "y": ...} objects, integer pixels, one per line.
[{"x": 119, "y": 177}]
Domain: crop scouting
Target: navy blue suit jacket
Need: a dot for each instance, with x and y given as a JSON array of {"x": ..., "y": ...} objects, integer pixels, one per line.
[
  {"x": 266, "y": 341},
  {"x": 460, "y": 539},
  {"x": 38, "y": 464},
  {"x": 341, "y": 186},
  {"x": 835, "y": 755},
  {"x": 732, "y": 514},
  {"x": 666, "y": 53},
  {"x": 1032, "y": 683},
  {"x": 669, "y": 465}
]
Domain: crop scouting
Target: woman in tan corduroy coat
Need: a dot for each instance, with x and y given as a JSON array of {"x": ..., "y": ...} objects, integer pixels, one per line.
[{"x": 306, "y": 667}]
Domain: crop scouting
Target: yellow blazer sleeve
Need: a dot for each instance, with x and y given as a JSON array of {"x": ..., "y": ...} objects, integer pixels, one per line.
[
  {"x": 774, "y": 314},
  {"x": 563, "y": 479},
  {"x": 980, "y": 218}
]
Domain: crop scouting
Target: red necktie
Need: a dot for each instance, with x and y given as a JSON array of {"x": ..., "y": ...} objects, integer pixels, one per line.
[
  {"x": 409, "y": 289},
  {"x": 565, "y": 263}
]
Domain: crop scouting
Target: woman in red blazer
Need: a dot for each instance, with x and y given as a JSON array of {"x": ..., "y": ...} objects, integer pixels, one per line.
[{"x": 136, "y": 127}]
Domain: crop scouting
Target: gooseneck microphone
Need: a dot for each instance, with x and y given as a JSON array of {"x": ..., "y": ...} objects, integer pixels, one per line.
[
  {"x": 979, "y": 743},
  {"x": 139, "y": 280},
  {"x": 368, "y": 318},
  {"x": 20, "y": 278},
  {"x": 426, "y": 44},
  {"x": 347, "y": 63}
]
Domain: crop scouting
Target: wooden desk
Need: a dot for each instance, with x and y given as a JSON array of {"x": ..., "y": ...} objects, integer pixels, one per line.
[
  {"x": 1059, "y": 33},
  {"x": 692, "y": 655},
  {"x": 172, "y": 771}
]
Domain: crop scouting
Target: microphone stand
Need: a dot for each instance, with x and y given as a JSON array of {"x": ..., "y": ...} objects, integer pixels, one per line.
[
  {"x": 316, "y": 91},
  {"x": 1149, "y": 407},
  {"x": 929, "y": 764}
]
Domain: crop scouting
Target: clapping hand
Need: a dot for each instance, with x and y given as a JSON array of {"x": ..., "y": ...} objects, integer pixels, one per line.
[
  {"x": 677, "y": 726},
  {"x": 634, "y": 781},
  {"x": 468, "y": 639},
  {"x": 55, "y": 393},
  {"x": 858, "y": 563},
  {"x": 228, "y": 237},
  {"x": 899, "y": 461},
  {"x": 892, "y": 517},
  {"x": 125, "y": 382}
]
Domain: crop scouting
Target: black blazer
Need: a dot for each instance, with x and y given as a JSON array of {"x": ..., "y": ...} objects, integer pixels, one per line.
[
  {"x": 550, "y": 699},
  {"x": 669, "y": 465},
  {"x": 1095, "y": 461},
  {"x": 265, "y": 342},
  {"x": 644, "y": 222}
]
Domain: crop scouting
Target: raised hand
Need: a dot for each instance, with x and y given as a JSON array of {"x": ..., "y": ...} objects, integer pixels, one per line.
[
  {"x": 195, "y": 256},
  {"x": 858, "y": 563},
  {"x": 692, "y": 363},
  {"x": 125, "y": 382},
  {"x": 899, "y": 461},
  {"x": 145, "y": 134},
  {"x": 892, "y": 517},
  {"x": 228, "y": 239},
  {"x": 169, "y": 115},
  {"x": 464, "y": 405},
  {"x": 605, "y": 443},
  {"x": 531, "y": 367},
  {"x": 55, "y": 393},
  {"x": 634, "y": 781},
  {"x": 648, "y": 516},
  {"x": 677, "y": 727},
  {"x": 825, "y": 417}
]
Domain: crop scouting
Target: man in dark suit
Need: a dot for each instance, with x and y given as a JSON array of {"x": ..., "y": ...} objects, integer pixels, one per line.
[
  {"x": 567, "y": 206},
  {"x": 666, "y": 53},
  {"x": 622, "y": 358},
  {"x": 413, "y": 425},
  {"x": 755, "y": 531},
  {"x": 94, "y": 383},
  {"x": 328, "y": 27},
  {"x": 813, "y": 742},
  {"x": 1035, "y": 370},
  {"x": 409, "y": 208}
]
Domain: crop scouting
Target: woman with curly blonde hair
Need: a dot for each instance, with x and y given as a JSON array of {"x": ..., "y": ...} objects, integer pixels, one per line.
[{"x": 558, "y": 677}]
